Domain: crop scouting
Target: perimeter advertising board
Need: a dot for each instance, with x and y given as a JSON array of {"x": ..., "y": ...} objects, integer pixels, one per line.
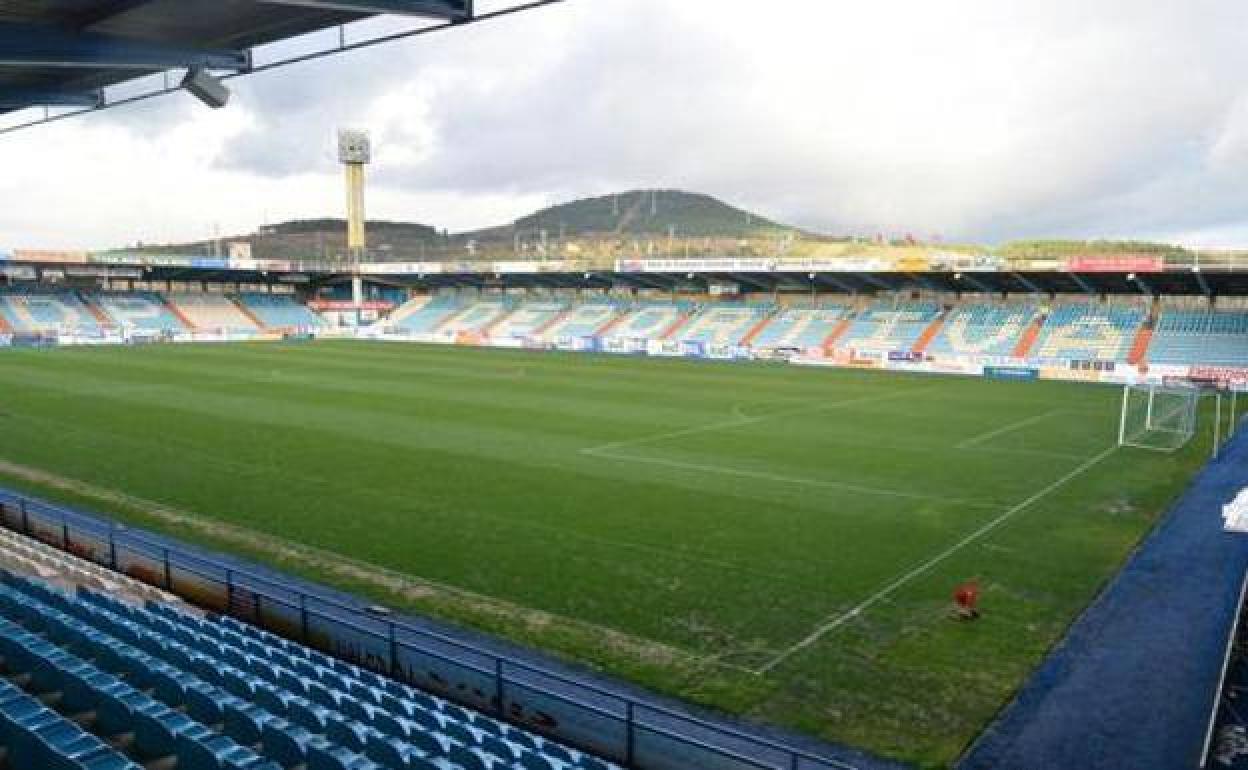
[
  {"x": 664, "y": 348},
  {"x": 1226, "y": 375},
  {"x": 1011, "y": 372}
]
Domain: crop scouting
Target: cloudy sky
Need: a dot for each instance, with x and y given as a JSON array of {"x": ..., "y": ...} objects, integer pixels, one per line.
[{"x": 977, "y": 120}]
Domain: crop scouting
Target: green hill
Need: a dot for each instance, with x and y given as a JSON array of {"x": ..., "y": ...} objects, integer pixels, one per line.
[
  {"x": 597, "y": 225},
  {"x": 645, "y": 212}
]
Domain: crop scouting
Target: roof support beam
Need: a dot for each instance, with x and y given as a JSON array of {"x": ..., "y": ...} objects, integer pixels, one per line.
[
  {"x": 1200, "y": 280},
  {"x": 749, "y": 280},
  {"x": 18, "y": 98},
  {"x": 923, "y": 282},
  {"x": 974, "y": 282},
  {"x": 452, "y": 10},
  {"x": 1083, "y": 283},
  {"x": 1031, "y": 287},
  {"x": 103, "y": 12},
  {"x": 876, "y": 281},
  {"x": 29, "y": 45}
]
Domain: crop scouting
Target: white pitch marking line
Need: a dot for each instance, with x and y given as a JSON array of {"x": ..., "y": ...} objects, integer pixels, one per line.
[
  {"x": 981, "y": 438},
  {"x": 837, "y": 621},
  {"x": 739, "y": 421},
  {"x": 763, "y": 475}
]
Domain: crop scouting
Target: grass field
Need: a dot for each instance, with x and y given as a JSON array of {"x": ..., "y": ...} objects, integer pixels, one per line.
[{"x": 774, "y": 541}]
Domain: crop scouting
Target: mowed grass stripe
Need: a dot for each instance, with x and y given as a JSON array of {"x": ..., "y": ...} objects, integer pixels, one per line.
[
  {"x": 276, "y": 522},
  {"x": 466, "y": 467}
]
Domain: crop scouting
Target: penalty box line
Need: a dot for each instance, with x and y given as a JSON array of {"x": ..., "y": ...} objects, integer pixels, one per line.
[
  {"x": 836, "y": 621},
  {"x": 975, "y": 441},
  {"x": 742, "y": 420},
  {"x": 764, "y": 476}
]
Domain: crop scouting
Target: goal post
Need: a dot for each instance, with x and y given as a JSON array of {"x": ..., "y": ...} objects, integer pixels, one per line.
[{"x": 1158, "y": 417}]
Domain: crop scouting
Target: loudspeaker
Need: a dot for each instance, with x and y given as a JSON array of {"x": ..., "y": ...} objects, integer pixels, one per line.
[{"x": 206, "y": 88}]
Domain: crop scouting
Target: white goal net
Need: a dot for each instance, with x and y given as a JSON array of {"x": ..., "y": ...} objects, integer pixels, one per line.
[{"x": 1161, "y": 418}]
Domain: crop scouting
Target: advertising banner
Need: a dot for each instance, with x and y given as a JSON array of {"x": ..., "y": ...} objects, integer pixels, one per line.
[
  {"x": 904, "y": 355},
  {"x": 693, "y": 349},
  {"x": 346, "y": 305},
  {"x": 956, "y": 366},
  {"x": 727, "y": 352},
  {"x": 720, "y": 265},
  {"x": 1230, "y": 375},
  {"x": 533, "y": 266},
  {"x": 623, "y": 345},
  {"x": 1011, "y": 372},
  {"x": 502, "y": 342},
  {"x": 401, "y": 268},
  {"x": 664, "y": 348},
  {"x": 469, "y": 338},
  {"x": 1115, "y": 263},
  {"x": 952, "y": 261},
  {"x": 18, "y": 272},
  {"x": 40, "y": 255},
  {"x": 1067, "y": 374},
  {"x": 912, "y": 265}
]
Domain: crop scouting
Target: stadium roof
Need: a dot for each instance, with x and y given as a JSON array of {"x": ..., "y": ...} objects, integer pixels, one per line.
[{"x": 61, "y": 53}]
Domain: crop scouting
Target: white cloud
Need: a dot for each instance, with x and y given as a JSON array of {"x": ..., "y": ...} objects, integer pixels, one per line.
[{"x": 986, "y": 119}]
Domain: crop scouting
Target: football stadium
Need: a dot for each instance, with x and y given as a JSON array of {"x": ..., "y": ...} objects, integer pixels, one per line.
[{"x": 680, "y": 489}]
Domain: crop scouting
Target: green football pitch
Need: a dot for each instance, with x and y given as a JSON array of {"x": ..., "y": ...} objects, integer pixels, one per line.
[{"x": 774, "y": 541}]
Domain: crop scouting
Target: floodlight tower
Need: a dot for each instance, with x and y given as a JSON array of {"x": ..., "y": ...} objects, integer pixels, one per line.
[{"x": 354, "y": 152}]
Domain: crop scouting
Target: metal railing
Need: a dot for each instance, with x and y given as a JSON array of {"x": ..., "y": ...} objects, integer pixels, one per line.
[{"x": 591, "y": 717}]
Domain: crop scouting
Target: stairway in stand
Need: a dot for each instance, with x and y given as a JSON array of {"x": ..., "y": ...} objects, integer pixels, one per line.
[
  {"x": 1139, "y": 349},
  {"x": 1028, "y": 339},
  {"x": 929, "y": 334},
  {"x": 177, "y": 313},
  {"x": 757, "y": 329},
  {"x": 838, "y": 331},
  {"x": 250, "y": 316}
]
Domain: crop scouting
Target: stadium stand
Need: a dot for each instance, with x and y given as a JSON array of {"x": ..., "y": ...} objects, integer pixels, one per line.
[
  {"x": 1089, "y": 332},
  {"x": 42, "y": 310},
  {"x": 725, "y": 324},
  {"x": 885, "y": 326},
  {"x": 477, "y": 316},
  {"x": 800, "y": 327},
  {"x": 1211, "y": 337},
  {"x": 138, "y": 310},
  {"x": 96, "y": 682},
  {"x": 528, "y": 318},
  {"x": 983, "y": 329},
  {"x": 585, "y": 320},
  {"x": 280, "y": 311},
  {"x": 653, "y": 319},
  {"x": 211, "y": 312},
  {"x": 422, "y": 315}
]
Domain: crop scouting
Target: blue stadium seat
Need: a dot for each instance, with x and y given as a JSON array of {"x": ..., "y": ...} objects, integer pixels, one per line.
[
  {"x": 218, "y": 686},
  {"x": 1200, "y": 337}
]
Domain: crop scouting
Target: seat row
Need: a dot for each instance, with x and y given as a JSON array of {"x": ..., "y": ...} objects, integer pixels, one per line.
[
  {"x": 25, "y": 554},
  {"x": 274, "y": 705}
]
